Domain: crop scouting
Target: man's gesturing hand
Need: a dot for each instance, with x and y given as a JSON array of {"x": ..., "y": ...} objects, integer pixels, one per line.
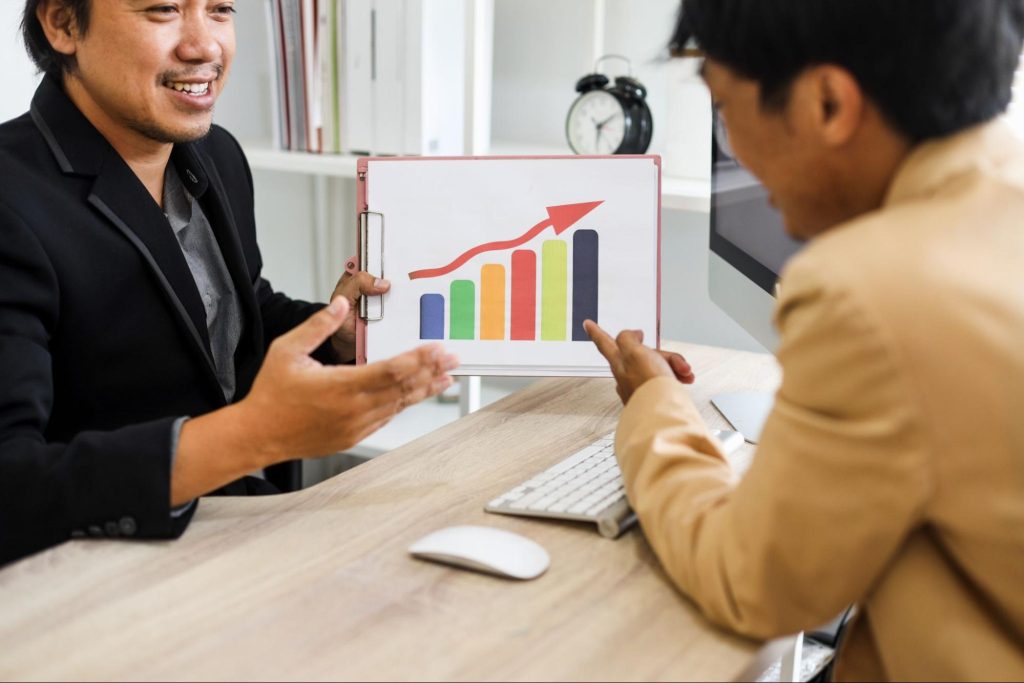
[
  {"x": 300, "y": 408},
  {"x": 632, "y": 363}
]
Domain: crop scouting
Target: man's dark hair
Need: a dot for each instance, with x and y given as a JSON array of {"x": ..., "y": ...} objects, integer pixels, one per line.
[
  {"x": 48, "y": 60},
  {"x": 933, "y": 67}
]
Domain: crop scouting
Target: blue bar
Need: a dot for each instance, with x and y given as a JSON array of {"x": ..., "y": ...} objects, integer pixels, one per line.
[
  {"x": 584, "y": 282},
  {"x": 432, "y": 316}
]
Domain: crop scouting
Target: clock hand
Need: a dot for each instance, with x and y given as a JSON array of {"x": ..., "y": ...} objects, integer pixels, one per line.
[{"x": 602, "y": 124}]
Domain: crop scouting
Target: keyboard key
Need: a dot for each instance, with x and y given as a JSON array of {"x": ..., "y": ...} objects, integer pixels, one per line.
[
  {"x": 544, "y": 503},
  {"x": 582, "y": 506},
  {"x": 584, "y": 484},
  {"x": 526, "y": 501},
  {"x": 603, "y": 504}
]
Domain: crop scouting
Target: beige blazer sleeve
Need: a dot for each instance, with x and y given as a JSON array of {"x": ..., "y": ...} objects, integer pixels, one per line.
[{"x": 838, "y": 481}]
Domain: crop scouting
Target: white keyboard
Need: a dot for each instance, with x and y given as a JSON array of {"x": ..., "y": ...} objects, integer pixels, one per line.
[{"x": 586, "y": 487}]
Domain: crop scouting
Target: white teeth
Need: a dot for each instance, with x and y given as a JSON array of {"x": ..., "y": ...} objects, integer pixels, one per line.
[{"x": 191, "y": 88}]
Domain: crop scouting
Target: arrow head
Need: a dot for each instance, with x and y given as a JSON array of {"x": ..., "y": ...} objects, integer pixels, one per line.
[{"x": 565, "y": 216}]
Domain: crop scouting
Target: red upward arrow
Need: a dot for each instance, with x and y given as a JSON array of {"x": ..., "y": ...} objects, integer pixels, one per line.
[{"x": 559, "y": 217}]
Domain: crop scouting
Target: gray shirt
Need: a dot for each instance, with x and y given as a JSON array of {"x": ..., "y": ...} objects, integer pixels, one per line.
[
  {"x": 202, "y": 253},
  {"x": 210, "y": 272}
]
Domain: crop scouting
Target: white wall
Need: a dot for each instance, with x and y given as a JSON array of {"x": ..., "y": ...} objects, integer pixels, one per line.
[
  {"x": 687, "y": 312},
  {"x": 641, "y": 31},
  {"x": 245, "y": 104},
  {"x": 18, "y": 78},
  {"x": 541, "y": 48}
]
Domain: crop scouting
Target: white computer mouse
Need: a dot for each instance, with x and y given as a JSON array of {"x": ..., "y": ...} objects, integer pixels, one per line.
[{"x": 484, "y": 549}]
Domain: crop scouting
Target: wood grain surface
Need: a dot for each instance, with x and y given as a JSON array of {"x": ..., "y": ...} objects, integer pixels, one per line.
[{"x": 318, "y": 584}]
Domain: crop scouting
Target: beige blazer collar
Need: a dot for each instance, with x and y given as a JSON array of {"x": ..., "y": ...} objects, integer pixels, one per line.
[{"x": 934, "y": 163}]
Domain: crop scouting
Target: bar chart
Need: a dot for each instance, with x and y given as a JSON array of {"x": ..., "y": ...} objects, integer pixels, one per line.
[
  {"x": 524, "y": 297},
  {"x": 501, "y": 260}
]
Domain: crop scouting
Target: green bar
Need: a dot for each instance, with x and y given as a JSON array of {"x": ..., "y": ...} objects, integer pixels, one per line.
[
  {"x": 554, "y": 292},
  {"x": 463, "y": 309}
]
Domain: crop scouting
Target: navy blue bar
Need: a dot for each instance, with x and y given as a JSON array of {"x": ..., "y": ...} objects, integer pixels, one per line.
[
  {"x": 584, "y": 282},
  {"x": 432, "y": 316}
]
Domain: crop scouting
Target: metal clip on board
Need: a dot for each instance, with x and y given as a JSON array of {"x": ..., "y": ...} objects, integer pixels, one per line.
[{"x": 371, "y": 250}]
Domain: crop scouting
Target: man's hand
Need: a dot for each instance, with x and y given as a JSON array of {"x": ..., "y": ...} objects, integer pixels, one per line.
[
  {"x": 300, "y": 408},
  {"x": 351, "y": 286},
  {"x": 632, "y": 363}
]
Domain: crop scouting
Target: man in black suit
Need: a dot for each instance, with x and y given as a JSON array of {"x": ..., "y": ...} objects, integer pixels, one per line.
[{"x": 144, "y": 361}]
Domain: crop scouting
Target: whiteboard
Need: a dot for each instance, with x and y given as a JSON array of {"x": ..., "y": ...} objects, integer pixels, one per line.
[{"x": 500, "y": 259}]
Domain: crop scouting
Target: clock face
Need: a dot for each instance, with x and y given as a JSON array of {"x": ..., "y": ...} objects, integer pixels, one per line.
[{"x": 596, "y": 123}]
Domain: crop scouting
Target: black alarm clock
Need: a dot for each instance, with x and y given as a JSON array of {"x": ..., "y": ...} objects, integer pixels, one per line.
[{"x": 609, "y": 118}]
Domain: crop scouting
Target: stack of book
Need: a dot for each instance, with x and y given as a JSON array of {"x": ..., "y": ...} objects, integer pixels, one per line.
[{"x": 368, "y": 76}]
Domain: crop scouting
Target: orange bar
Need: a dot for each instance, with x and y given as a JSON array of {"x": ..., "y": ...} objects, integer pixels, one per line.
[{"x": 492, "y": 302}]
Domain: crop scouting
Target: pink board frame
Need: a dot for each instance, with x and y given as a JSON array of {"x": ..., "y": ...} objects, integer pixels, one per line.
[{"x": 362, "y": 174}]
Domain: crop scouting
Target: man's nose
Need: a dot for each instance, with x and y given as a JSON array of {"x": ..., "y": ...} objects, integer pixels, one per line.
[{"x": 198, "y": 42}]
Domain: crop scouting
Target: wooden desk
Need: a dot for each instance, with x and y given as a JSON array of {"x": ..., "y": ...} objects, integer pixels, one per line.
[{"x": 318, "y": 584}]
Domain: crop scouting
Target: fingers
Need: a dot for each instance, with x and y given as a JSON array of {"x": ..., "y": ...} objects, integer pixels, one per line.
[
  {"x": 629, "y": 341},
  {"x": 385, "y": 404},
  {"x": 641, "y": 363},
  {"x": 377, "y": 408},
  {"x": 354, "y": 285},
  {"x": 680, "y": 368},
  {"x": 420, "y": 373},
  {"x": 631, "y": 348},
  {"x": 604, "y": 342},
  {"x": 305, "y": 338},
  {"x": 381, "y": 375},
  {"x": 425, "y": 382},
  {"x": 407, "y": 388}
]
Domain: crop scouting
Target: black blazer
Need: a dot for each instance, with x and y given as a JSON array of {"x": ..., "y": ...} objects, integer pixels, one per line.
[{"x": 103, "y": 338}]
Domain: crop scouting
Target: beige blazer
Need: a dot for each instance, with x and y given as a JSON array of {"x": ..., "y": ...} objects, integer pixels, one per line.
[{"x": 891, "y": 471}]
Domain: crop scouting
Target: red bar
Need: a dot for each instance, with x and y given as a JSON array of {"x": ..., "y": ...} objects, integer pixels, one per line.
[{"x": 524, "y": 295}]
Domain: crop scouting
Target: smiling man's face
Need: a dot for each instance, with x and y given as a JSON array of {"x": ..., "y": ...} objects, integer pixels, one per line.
[{"x": 151, "y": 71}]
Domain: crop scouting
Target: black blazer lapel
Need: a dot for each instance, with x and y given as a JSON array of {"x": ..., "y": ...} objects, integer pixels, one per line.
[{"x": 120, "y": 197}]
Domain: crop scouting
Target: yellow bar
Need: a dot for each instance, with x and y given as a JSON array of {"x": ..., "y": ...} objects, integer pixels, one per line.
[{"x": 492, "y": 302}]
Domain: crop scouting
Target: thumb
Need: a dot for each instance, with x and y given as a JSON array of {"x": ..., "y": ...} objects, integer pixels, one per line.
[{"x": 308, "y": 336}]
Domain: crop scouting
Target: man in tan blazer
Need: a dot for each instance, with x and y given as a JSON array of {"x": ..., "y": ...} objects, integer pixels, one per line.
[{"x": 890, "y": 473}]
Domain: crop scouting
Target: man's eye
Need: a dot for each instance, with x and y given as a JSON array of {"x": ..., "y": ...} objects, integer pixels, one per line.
[
  {"x": 225, "y": 10},
  {"x": 162, "y": 9}
]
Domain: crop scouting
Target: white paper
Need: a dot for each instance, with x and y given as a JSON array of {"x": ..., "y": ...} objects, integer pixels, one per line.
[{"x": 436, "y": 210}]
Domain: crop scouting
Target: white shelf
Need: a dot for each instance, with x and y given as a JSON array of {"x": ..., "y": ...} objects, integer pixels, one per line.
[
  {"x": 679, "y": 194},
  {"x": 512, "y": 148},
  {"x": 425, "y": 417},
  {"x": 264, "y": 158},
  {"x": 686, "y": 194}
]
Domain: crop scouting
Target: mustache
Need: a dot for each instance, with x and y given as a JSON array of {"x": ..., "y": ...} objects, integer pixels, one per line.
[{"x": 203, "y": 71}]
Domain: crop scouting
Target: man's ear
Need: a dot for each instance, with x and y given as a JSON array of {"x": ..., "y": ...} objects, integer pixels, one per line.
[
  {"x": 840, "y": 103},
  {"x": 58, "y": 23}
]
